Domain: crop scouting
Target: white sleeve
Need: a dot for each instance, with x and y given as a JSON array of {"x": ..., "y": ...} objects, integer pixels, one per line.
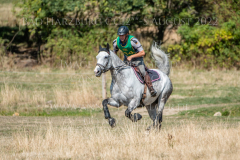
[{"x": 136, "y": 44}]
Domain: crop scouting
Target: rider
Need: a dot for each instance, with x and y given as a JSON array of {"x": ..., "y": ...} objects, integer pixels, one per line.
[{"x": 133, "y": 52}]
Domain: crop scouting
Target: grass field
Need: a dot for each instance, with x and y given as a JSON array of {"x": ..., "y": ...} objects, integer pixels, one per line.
[
  {"x": 61, "y": 117},
  {"x": 57, "y": 114}
]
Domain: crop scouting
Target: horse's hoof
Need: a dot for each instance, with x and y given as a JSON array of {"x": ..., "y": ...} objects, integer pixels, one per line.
[
  {"x": 136, "y": 117},
  {"x": 147, "y": 132},
  {"x": 112, "y": 122},
  {"x": 155, "y": 128},
  {"x": 149, "y": 128},
  {"x": 158, "y": 127}
]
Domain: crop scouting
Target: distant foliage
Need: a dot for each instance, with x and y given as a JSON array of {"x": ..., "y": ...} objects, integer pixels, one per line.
[
  {"x": 208, "y": 45},
  {"x": 48, "y": 23},
  {"x": 70, "y": 46},
  {"x": 52, "y": 24}
]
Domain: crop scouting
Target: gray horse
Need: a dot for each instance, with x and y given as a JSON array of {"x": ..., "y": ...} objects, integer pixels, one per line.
[{"x": 127, "y": 90}]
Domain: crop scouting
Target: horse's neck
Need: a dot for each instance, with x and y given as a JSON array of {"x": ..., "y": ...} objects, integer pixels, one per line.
[{"x": 117, "y": 62}]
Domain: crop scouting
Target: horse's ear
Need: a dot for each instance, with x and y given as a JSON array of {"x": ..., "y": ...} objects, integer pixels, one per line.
[
  {"x": 107, "y": 46},
  {"x": 100, "y": 47}
]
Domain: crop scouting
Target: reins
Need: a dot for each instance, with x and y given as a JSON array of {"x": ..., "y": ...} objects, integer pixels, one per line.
[{"x": 103, "y": 68}]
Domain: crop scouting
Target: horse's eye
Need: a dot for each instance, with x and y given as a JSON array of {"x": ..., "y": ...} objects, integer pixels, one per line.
[{"x": 106, "y": 57}]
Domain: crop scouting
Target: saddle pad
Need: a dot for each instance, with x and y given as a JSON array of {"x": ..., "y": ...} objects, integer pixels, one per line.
[{"x": 153, "y": 75}]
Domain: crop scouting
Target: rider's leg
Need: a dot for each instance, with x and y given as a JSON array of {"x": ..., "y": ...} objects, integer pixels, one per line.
[
  {"x": 146, "y": 76},
  {"x": 148, "y": 81}
]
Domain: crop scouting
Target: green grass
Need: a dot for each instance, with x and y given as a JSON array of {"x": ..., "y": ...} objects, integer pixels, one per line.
[
  {"x": 202, "y": 100},
  {"x": 52, "y": 112},
  {"x": 233, "y": 111},
  {"x": 184, "y": 95},
  {"x": 207, "y": 90},
  {"x": 36, "y": 81},
  {"x": 205, "y": 95}
]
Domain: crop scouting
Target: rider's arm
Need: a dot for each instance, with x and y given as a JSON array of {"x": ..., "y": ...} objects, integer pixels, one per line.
[
  {"x": 139, "y": 54},
  {"x": 138, "y": 48}
]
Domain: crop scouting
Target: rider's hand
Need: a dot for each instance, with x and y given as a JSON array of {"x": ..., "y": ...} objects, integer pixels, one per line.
[{"x": 129, "y": 58}]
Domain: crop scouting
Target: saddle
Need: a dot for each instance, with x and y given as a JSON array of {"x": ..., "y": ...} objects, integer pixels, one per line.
[{"x": 154, "y": 76}]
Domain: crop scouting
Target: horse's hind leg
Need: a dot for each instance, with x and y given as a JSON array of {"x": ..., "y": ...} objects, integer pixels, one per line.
[
  {"x": 152, "y": 111},
  {"x": 155, "y": 110},
  {"x": 161, "y": 102},
  {"x": 159, "y": 112}
]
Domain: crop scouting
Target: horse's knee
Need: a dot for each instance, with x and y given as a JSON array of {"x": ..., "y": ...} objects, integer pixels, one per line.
[
  {"x": 113, "y": 102},
  {"x": 105, "y": 102}
]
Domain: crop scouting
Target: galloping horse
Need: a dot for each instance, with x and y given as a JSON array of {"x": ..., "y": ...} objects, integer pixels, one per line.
[{"x": 127, "y": 90}]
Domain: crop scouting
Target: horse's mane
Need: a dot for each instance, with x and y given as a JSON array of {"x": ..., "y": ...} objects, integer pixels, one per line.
[{"x": 115, "y": 56}]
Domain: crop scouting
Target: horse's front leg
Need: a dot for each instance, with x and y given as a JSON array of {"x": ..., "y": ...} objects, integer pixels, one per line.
[
  {"x": 131, "y": 106},
  {"x": 112, "y": 102}
]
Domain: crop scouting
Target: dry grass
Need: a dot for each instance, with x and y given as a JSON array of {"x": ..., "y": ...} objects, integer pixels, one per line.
[
  {"x": 186, "y": 141},
  {"x": 96, "y": 140},
  {"x": 204, "y": 77},
  {"x": 81, "y": 95},
  {"x": 11, "y": 95},
  {"x": 86, "y": 89},
  {"x": 7, "y": 17}
]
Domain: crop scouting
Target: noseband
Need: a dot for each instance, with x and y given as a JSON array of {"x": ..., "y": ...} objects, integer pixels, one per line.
[{"x": 103, "y": 68}]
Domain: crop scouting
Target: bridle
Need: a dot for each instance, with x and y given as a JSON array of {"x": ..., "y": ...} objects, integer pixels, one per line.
[{"x": 103, "y": 68}]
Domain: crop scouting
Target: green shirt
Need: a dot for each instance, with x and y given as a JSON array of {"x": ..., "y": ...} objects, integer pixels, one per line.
[{"x": 127, "y": 49}]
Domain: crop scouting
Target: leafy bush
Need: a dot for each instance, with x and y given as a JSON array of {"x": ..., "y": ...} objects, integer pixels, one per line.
[
  {"x": 208, "y": 45},
  {"x": 70, "y": 46},
  {"x": 226, "y": 113},
  {"x": 49, "y": 23}
]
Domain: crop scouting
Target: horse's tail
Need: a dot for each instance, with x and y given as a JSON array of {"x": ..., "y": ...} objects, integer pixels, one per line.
[{"x": 161, "y": 59}]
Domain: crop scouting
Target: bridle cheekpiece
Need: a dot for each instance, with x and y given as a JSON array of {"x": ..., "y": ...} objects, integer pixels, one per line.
[{"x": 102, "y": 67}]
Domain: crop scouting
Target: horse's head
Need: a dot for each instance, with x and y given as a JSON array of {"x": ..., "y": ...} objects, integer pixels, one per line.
[{"x": 103, "y": 61}]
